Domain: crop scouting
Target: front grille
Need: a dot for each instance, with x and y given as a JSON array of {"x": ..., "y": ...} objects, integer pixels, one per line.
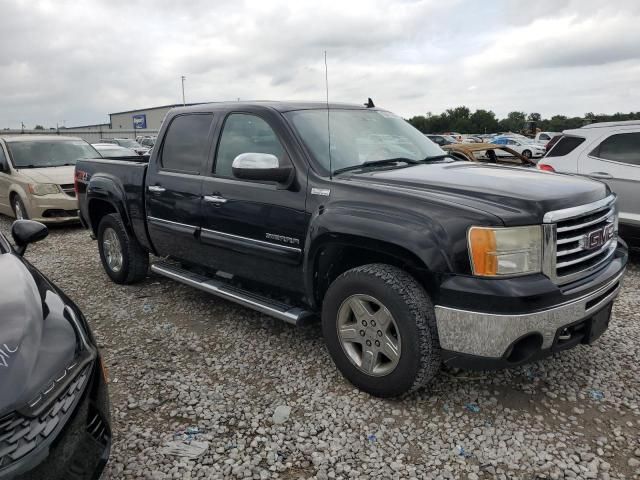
[
  {"x": 20, "y": 434},
  {"x": 585, "y": 237},
  {"x": 69, "y": 189}
]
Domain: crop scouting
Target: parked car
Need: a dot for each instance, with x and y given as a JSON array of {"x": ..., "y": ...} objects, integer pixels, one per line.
[
  {"x": 487, "y": 152},
  {"x": 524, "y": 147},
  {"x": 441, "y": 139},
  {"x": 552, "y": 142},
  {"x": 127, "y": 143},
  {"x": 610, "y": 152},
  {"x": 542, "y": 138},
  {"x": 410, "y": 258},
  {"x": 54, "y": 406},
  {"x": 36, "y": 176},
  {"x": 108, "y": 150},
  {"x": 147, "y": 142}
]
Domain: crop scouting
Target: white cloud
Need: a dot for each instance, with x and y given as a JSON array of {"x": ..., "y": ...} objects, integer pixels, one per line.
[{"x": 78, "y": 61}]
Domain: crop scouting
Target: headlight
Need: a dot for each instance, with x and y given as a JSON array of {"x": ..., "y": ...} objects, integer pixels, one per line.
[
  {"x": 41, "y": 189},
  {"x": 498, "y": 252}
]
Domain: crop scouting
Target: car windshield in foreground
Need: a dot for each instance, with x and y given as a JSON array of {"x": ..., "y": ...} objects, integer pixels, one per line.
[
  {"x": 54, "y": 153},
  {"x": 361, "y": 138}
]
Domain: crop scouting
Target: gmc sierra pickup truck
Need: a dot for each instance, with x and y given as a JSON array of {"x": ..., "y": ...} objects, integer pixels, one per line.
[{"x": 410, "y": 258}]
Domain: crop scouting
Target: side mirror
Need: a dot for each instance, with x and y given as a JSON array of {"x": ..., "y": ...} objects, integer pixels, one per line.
[
  {"x": 4, "y": 166},
  {"x": 260, "y": 166},
  {"x": 25, "y": 232}
]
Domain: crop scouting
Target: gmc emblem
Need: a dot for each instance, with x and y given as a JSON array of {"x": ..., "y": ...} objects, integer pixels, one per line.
[{"x": 597, "y": 238}]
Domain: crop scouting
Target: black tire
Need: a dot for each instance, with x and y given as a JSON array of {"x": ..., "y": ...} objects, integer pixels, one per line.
[
  {"x": 18, "y": 206},
  {"x": 412, "y": 311},
  {"x": 526, "y": 154},
  {"x": 135, "y": 260}
]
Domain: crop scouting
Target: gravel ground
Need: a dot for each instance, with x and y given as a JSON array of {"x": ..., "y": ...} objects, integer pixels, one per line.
[{"x": 182, "y": 360}]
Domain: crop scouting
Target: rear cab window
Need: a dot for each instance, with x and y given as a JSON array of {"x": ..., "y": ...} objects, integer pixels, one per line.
[
  {"x": 186, "y": 144},
  {"x": 566, "y": 145}
]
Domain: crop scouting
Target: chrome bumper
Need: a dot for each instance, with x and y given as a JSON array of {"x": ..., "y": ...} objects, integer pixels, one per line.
[{"x": 490, "y": 335}]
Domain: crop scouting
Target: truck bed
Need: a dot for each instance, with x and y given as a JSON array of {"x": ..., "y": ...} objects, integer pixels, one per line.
[{"x": 128, "y": 175}]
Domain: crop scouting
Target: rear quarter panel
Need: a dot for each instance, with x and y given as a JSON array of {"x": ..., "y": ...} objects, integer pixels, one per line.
[{"x": 120, "y": 183}]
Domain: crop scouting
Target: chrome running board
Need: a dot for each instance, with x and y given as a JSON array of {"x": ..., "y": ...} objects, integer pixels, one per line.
[{"x": 281, "y": 311}]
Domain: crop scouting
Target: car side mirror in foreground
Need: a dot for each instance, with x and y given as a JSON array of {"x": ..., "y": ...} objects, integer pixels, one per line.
[
  {"x": 260, "y": 166},
  {"x": 25, "y": 232}
]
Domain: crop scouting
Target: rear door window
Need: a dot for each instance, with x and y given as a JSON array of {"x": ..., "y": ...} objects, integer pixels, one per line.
[
  {"x": 186, "y": 144},
  {"x": 565, "y": 145},
  {"x": 621, "y": 147}
]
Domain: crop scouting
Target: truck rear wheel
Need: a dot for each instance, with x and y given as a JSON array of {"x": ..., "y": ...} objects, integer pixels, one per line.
[
  {"x": 380, "y": 328},
  {"x": 124, "y": 260}
]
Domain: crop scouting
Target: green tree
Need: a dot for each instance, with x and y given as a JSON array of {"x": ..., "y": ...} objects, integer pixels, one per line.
[
  {"x": 514, "y": 122},
  {"x": 39, "y": 127}
]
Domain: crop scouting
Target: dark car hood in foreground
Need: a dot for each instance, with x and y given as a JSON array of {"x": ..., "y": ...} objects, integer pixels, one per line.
[
  {"x": 33, "y": 350},
  {"x": 518, "y": 196}
]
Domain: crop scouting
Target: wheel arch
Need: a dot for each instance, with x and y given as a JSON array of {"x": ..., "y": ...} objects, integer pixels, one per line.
[{"x": 333, "y": 254}]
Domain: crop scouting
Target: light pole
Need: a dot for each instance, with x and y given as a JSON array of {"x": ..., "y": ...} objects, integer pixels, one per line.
[{"x": 183, "y": 78}]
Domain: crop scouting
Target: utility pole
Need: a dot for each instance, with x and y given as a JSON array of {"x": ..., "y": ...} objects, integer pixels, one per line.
[{"x": 183, "y": 78}]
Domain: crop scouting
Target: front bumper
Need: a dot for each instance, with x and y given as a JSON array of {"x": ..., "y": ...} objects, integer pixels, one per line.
[
  {"x": 77, "y": 450},
  {"x": 508, "y": 336},
  {"x": 59, "y": 208}
]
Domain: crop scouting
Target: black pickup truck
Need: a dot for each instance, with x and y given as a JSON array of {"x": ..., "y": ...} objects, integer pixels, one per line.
[{"x": 410, "y": 258}]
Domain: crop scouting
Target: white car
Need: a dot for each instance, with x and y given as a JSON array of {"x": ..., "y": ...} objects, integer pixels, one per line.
[
  {"x": 524, "y": 147},
  {"x": 542, "y": 138},
  {"x": 110, "y": 150},
  {"x": 610, "y": 152}
]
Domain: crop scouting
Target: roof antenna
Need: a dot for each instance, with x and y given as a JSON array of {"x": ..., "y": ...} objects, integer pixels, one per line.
[
  {"x": 326, "y": 83},
  {"x": 369, "y": 103}
]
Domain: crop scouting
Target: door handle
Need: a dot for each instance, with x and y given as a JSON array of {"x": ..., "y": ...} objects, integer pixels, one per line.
[
  {"x": 600, "y": 175},
  {"x": 215, "y": 199},
  {"x": 156, "y": 189}
]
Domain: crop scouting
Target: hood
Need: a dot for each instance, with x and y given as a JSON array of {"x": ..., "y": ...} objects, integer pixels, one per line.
[
  {"x": 34, "y": 346},
  {"x": 518, "y": 196},
  {"x": 57, "y": 175}
]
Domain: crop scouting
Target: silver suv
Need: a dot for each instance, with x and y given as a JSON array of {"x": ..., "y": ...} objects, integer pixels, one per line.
[{"x": 609, "y": 152}]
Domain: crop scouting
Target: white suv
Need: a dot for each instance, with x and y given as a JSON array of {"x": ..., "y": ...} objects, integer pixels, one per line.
[{"x": 609, "y": 152}]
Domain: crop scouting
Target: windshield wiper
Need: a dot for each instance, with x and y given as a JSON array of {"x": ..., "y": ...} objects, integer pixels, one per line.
[
  {"x": 376, "y": 163},
  {"x": 435, "y": 158}
]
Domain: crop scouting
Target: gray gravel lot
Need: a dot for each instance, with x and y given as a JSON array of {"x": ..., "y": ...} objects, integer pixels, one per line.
[{"x": 179, "y": 358}]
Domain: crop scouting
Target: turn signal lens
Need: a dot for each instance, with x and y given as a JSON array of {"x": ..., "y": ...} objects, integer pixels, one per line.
[
  {"x": 545, "y": 167},
  {"x": 505, "y": 251},
  {"x": 482, "y": 244}
]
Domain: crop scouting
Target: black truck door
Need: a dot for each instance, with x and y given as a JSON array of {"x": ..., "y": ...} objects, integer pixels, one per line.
[
  {"x": 252, "y": 229},
  {"x": 174, "y": 186}
]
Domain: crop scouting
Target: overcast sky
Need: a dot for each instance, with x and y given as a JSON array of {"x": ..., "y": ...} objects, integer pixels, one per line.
[{"x": 76, "y": 61}]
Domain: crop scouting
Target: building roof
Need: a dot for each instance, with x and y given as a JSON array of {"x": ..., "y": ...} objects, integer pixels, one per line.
[{"x": 153, "y": 108}]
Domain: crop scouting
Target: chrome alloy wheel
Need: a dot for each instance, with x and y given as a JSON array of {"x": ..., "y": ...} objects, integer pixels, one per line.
[
  {"x": 369, "y": 335},
  {"x": 112, "y": 249}
]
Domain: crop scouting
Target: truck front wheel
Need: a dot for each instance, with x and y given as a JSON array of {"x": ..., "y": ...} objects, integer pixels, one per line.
[
  {"x": 380, "y": 328},
  {"x": 124, "y": 260}
]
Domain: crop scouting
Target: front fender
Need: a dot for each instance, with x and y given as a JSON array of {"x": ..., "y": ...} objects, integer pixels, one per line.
[{"x": 404, "y": 231}]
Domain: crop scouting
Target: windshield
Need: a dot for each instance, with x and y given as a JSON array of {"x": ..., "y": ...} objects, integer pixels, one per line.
[
  {"x": 129, "y": 143},
  {"x": 54, "y": 153},
  {"x": 359, "y": 136}
]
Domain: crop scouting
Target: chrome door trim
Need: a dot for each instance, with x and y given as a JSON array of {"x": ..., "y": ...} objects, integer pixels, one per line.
[
  {"x": 251, "y": 240},
  {"x": 174, "y": 226},
  {"x": 215, "y": 199}
]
